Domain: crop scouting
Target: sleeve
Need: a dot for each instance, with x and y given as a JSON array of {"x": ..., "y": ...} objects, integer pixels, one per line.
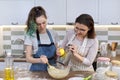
[
  {"x": 31, "y": 41},
  {"x": 27, "y": 40},
  {"x": 65, "y": 40},
  {"x": 91, "y": 55}
]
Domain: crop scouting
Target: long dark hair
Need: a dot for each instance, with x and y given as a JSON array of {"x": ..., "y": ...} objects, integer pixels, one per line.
[{"x": 87, "y": 20}]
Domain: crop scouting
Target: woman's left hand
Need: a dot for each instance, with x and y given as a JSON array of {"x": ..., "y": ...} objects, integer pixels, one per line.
[
  {"x": 74, "y": 49},
  {"x": 44, "y": 59}
]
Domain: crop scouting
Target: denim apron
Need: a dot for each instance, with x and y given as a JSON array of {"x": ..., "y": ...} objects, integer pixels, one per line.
[{"x": 44, "y": 49}]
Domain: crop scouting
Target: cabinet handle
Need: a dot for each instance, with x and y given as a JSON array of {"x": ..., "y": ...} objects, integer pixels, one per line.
[
  {"x": 96, "y": 22},
  {"x": 52, "y": 23},
  {"x": 14, "y": 23},
  {"x": 70, "y": 23},
  {"x": 114, "y": 23}
]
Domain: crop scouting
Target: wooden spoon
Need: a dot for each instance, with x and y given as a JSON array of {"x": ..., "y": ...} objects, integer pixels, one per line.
[{"x": 50, "y": 66}]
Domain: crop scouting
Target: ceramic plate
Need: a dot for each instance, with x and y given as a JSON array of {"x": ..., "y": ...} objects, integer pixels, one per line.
[
  {"x": 76, "y": 78},
  {"x": 1, "y": 79}
]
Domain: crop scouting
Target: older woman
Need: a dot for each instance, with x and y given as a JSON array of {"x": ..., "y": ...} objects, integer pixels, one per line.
[{"x": 82, "y": 44}]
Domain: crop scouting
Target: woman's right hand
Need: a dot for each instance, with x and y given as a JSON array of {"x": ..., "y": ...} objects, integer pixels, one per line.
[
  {"x": 44, "y": 59},
  {"x": 58, "y": 52}
]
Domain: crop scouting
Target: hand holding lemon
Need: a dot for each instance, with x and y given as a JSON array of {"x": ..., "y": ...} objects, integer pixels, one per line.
[{"x": 62, "y": 52}]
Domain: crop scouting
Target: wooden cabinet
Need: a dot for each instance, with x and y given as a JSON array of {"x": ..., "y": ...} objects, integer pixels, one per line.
[
  {"x": 55, "y": 9},
  {"x": 77, "y": 7},
  {"x": 109, "y": 12},
  {"x": 14, "y": 11}
]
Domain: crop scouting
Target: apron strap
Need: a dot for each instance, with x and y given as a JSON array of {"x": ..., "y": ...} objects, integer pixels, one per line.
[{"x": 49, "y": 35}]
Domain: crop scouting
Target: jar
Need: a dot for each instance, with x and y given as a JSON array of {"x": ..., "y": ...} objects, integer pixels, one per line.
[
  {"x": 110, "y": 75},
  {"x": 103, "y": 63},
  {"x": 98, "y": 76},
  {"x": 116, "y": 67}
]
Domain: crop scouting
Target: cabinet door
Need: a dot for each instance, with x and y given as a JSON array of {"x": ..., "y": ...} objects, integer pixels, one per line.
[
  {"x": 2, "y": 66},
  {"x": 14, "y": 11},
  {"x": 22, "y": 65},
  {"x": 55, "y": 9},
  {"x": 77, "y": 7},
  {"x": 109, "y": 12}
]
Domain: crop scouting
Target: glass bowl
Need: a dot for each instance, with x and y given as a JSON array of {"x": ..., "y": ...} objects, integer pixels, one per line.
[{"x": 58, "y": 72}]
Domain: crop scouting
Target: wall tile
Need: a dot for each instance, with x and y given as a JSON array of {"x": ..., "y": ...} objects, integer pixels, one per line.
[{"x": 11, "y": 37}]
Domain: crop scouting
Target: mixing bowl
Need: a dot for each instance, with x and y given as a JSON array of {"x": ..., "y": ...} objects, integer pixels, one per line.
[{"x": 58, "y": 72}]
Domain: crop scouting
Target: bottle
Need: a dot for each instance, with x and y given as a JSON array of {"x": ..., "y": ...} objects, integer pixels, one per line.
[{"x": 9, "y": 72}]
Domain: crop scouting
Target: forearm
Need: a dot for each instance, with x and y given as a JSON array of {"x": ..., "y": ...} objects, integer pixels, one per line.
[
  {"x": 79, "y": 57},
  {"x": 29, "y": 56},
  {"x": 83, "y": 60},
  {"x": 33, "y": 60}
]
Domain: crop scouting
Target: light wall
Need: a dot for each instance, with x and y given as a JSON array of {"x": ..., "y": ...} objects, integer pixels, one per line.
[{"x": 12, "y": 36}]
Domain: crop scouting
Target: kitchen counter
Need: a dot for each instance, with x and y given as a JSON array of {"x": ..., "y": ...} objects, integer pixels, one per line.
[
  {"x": 24, "y": 59},
  {"x": 116, "y": 58},
  {"x": 46, "y": 75},
  {"x": 15, "y": 59}
]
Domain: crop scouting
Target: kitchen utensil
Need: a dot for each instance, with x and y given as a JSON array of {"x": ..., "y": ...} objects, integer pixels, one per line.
[
  {"x": 87, "y": 78},
  {"x": 61, "y": 63},
  {"x": 114, "y": 46},
  {"x": 50, "y": 66}
]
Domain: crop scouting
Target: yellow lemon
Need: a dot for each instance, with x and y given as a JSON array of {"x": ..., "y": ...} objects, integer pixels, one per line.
[{"x": 62, "y": 51}]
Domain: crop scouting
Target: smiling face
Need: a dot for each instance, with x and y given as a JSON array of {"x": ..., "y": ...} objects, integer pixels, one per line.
[
  {"x": 41, "y": 23},
  {"x": 81, "y": 29}
]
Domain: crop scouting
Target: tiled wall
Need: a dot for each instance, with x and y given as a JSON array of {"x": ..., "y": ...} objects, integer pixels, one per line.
[
  {"x": 108, "y": 33},
  {"x": 11, "y": 37},
  {"x": 104, "y": 33}
]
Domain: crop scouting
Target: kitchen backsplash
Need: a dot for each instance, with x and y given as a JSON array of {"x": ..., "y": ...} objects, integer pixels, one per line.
[
  {"x": 12, "y": 36},
  {"x": 12, "y": 39}
]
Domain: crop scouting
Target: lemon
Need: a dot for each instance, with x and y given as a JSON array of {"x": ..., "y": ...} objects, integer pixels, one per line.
[{"x": 62, "y": 51}]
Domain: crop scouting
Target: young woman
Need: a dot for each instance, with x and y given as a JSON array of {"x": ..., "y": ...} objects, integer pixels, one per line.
[
  {"x": 39, "y": 41},
  {"x": 82, "y": 44}
]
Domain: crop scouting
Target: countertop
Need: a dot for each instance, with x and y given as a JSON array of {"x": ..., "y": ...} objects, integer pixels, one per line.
[
  {"x": 24, "y": 59},
  {"x": 116, "y": 58},
  {"x": 45, "y": 74},
  {"x": 15, "y": 59}
]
